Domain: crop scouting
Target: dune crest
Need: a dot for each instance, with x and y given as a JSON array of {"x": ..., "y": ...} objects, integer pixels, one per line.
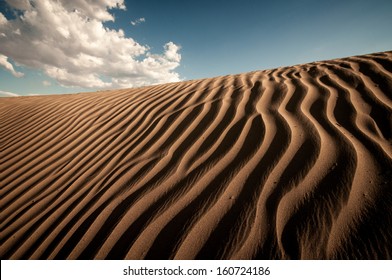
[{"x": 289, "y": 163}]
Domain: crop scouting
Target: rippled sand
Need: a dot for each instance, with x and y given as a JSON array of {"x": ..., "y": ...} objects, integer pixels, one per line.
[{"x": 289, "y": 163}]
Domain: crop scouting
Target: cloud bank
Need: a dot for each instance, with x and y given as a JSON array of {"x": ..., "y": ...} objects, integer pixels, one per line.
[
  {"x": 7, "y": 94},
  {"x": 68, "y": 41}
]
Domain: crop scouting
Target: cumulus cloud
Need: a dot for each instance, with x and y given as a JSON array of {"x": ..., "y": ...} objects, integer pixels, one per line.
[
  {"x": 8, "y": 66},
  {"x": 138, "y": 21},
  {"x": 171, "y": 52},
  {"x": 68, "y": 41},
  {"x": 3, "y": 19}
]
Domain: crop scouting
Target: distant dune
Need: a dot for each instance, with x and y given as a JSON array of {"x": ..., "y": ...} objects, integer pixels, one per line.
[{"x": 289, "y": 163}]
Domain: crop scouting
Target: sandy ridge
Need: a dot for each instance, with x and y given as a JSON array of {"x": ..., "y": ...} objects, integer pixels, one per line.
[{"x": 287, "y": 163}]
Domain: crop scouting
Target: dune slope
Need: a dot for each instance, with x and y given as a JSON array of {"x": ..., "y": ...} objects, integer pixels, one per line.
[{"x": 289, "y": 163}]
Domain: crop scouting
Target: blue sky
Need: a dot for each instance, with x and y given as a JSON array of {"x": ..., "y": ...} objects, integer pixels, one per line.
[{"x": 166, "y": 41}]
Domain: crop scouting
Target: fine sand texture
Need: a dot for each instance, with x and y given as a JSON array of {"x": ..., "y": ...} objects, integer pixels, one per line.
[{"x": 289, "y": 163}]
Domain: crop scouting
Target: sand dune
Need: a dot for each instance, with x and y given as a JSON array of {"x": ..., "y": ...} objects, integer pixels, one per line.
[{"x": 289, "y": 163}]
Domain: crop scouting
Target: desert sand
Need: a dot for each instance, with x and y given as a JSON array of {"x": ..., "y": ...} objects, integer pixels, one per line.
[{"x": 289, "y": 163}]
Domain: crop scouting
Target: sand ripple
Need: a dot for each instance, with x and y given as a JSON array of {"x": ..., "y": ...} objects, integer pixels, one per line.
[{"x": 290, "y": 163}]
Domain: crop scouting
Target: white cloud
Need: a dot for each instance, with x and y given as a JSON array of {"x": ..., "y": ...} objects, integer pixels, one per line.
[
  {"x": 68, "y": 41},
  {"x": 7, "y": 94},
  {"x": 8, "y": 66},
  {"x": 171, "y": 52},
  {"x": 46, "y": 83},
  {"x": 3, "y": 19},
  {"x": 138, "y": 21}
]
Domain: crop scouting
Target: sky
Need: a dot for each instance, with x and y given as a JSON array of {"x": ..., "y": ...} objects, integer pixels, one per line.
[{"x": 67, "y": 46}]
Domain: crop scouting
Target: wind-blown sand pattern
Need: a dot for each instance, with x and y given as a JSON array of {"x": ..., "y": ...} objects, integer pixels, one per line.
[{"x": 290, "y": 163}]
